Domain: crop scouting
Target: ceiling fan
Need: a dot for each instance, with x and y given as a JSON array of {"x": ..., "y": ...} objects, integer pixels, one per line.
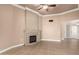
[{"x": 46, "y": 6}]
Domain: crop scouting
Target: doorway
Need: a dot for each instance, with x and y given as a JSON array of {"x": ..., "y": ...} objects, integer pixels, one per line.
[{"x": 72, "y": 30}]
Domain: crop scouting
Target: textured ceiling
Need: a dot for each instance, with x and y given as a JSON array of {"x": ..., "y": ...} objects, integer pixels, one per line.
[{"x": 58, "y": 9}]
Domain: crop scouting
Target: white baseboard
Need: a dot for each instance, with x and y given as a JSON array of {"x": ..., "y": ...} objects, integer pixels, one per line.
[
  {"x": 4, "y": 50},
  {"x": 50, "y": 40}
]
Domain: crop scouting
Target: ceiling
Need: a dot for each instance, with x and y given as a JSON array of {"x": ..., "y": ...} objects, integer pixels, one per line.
[{"x": 58, "y": 9}]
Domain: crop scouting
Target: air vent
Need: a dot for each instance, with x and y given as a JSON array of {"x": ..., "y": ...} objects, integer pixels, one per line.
[{"x": 50, "y": 20}]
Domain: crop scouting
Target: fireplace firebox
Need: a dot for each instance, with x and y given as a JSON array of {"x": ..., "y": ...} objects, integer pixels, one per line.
[{"x": 32, "y": 39}]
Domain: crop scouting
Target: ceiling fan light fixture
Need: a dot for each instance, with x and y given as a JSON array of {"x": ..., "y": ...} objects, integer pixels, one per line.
[{"x": 45, "y": 6}]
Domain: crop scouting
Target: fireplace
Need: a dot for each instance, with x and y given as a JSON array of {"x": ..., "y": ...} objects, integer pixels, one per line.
[{"x": 32, "y": 39}]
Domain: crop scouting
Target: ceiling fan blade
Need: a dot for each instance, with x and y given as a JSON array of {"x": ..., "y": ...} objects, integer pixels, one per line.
[
  {"x": 46, "y": 7},
  {"x": 53, "y": 5},
  {"x": 39, "y": 8}
]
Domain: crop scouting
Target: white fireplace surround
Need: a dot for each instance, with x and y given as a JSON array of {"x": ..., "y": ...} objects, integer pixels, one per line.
[{"x": 27, "y": 35}]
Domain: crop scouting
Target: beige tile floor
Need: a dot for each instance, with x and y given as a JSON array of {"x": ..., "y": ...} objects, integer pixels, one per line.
[{"x": 65, "y": 47}]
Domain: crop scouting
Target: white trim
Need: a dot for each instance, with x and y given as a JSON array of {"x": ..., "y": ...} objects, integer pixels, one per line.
[
  {"x": 18, "y": 6},
  {"x": 21, "y": 7},
  {"x": 50, "y": 40},
  {"x": 33, "y": 11},
  {"x": 63, "y": 12},
  {"x": 4, "y": 50}
]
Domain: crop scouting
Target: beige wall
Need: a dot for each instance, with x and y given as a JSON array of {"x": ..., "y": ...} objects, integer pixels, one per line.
[
  {"x": 11, "y": 26},
  {"x": 31, "y": 21},
  {"x": 56, "y": 29},
  {"x": 51, "y": 30}
]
